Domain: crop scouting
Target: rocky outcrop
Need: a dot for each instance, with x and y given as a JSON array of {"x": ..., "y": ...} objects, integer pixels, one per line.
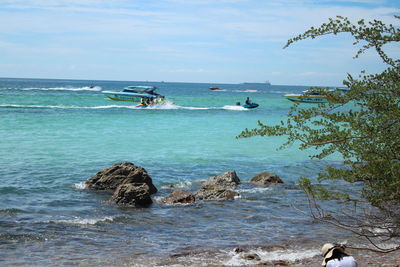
[
  {"x": 133, "y": 194},
  {"x": 131, "y": 184},
  {"x": 179, "y": 197},
  {"x": 121, "y": 173},
  {"x": 219, "y": 187},
  {"x": 227, "y": 180},
  {"x": 215, "y": 192},
  {"x": 265, "y": 179}
]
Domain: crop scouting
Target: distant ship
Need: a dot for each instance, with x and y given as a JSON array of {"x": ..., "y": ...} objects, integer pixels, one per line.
[{"x": 264, "y": 83}]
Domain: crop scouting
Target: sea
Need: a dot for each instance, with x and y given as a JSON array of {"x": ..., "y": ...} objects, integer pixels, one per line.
[{"x": 55, "y": 134}]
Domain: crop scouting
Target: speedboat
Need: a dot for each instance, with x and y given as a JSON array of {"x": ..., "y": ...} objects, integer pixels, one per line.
[
  {"x": 215, "y": 88},
  {"x": 310, "y": 96},
  {"x": 307, "y": 97},
  {"x": 133, "y": 93}
]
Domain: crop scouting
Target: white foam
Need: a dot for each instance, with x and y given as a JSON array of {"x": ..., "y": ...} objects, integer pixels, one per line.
[
  {"x": 165, "y": 105},
  {"x": 81, "y": 185},
  {"x": 108, "y": 106},
  {"x": 255, "y": 190},
  {"x": 83, "y": 221},
  {"x": 197, "y": 108},
  {"x": 184, "y": 184},
  {"x": 180, "y": 185},
  {"x": 238, "y": 108},
  {"x": 287, "y": 255}
]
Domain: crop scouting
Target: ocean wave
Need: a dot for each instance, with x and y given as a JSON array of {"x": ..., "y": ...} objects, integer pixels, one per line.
[
  {"x": 11, "y": 211},
  {"x": 179, "y": 185},
  {"x": 83, "y": 221},
  {"x": 286, "y": 255},
  {"x": 255, "y": 190}
]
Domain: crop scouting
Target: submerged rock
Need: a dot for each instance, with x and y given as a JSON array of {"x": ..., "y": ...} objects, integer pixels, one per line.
[
  {"x": 265, "y": 179},
  {"x": 135, "y": 194},
  {"x": 251, "y": 257},
  {"x": 228, "y": 180},
  {"x": 179, "y": 197},
  {"x": 215, "y": 192},
  {"x": 121, "y": 173}
]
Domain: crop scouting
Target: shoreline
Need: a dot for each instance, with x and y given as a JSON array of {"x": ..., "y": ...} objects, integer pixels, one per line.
[
  {"x": 274, "y": 256},
  {"x": 363, "y": 258}
]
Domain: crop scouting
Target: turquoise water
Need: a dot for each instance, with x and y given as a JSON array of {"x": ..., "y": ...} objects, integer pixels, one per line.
[{"x": 57, "y": 133}]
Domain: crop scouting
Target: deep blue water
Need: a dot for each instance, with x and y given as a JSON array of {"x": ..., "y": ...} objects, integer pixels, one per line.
[{"x": 55, "y": 134}]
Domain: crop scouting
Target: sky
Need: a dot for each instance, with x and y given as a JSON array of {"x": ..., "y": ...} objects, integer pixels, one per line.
[{"x": 206, "y": 41}]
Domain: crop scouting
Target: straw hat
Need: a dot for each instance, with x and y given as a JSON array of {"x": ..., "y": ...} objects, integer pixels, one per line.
[{"x": 327, "y": 251}]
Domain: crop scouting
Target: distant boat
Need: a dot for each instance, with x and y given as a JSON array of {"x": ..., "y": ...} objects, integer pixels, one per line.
[
  {"x": 265, "y": 83},
  {"x": 215, "y": 88},
  {"x": 133, "y": 93}
]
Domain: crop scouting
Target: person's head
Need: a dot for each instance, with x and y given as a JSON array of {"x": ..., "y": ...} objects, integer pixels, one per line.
[{"x": 330, "y": 250}]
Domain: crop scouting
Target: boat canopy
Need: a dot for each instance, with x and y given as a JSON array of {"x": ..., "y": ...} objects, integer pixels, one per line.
[
  {"x": 139, "y": 89},
  {"x": 133, "y": 93}
]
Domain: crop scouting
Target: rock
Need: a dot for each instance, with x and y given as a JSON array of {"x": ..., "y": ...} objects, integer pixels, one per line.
[
  {"x": 251, "y": 257},
  {"x": 179, "y": 196},
  {"x": 239, "y": 250},
  {"x": 215, "y": 192},
  {"x": 121, "y": 173},
  {"x": 135, "y": 194},
  {"x": 265, "y": 179},
  {"x": 228, "y": 180},
  {"x": 280, "y": 263}
]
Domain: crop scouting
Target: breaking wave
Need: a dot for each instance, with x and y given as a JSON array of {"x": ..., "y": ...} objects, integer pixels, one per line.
[
  {"x": 84, "y": 221},
  {"x": 287, "y": 255}
]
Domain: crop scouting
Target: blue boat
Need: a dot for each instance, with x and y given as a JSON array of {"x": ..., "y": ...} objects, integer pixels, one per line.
[
  {"x": 133, "y": 93},
  {"x": 251, "y": 105},
  {"x": 247, "y": 105}
]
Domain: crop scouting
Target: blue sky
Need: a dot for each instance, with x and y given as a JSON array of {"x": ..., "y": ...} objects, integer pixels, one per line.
[{"x": 216, "y": 41}]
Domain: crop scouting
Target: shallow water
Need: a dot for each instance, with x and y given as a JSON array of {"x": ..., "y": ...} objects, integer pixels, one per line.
[{"x": 57, "y": 133}]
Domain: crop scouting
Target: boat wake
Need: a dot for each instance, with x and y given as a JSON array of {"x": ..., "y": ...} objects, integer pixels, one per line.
[
  {"x": 62, "y": 106},
  {"x": 238, "y": 108},
  {"x": 166, "y": 106}
]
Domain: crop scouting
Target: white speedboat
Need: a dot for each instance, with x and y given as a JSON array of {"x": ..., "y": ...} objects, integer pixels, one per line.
[
  {"x": 310, "y": 96},
  {"x": 133, "y": 93}
]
